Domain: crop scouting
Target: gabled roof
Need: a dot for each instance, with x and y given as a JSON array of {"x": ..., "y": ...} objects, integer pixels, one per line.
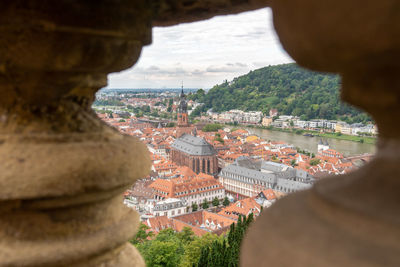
[
  {"x": 268, "y": 194},
  {"x": 243, "y": 207}
]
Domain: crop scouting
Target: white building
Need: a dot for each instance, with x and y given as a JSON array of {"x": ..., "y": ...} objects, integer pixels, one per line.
[
  {"x": 248, "y": 178},
  {"x": 169, "y": 207},
  {"x": 322, "y": 145}
]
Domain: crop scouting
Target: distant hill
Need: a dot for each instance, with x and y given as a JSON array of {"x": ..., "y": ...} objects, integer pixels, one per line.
[{"x": 287, "y": 87}]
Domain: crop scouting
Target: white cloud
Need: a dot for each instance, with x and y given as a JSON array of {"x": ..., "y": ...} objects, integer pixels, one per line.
[{"x": 205, "y": 53}]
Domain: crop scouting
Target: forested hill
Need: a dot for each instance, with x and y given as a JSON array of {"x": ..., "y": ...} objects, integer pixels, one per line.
[{"x": 287, "y": 87}]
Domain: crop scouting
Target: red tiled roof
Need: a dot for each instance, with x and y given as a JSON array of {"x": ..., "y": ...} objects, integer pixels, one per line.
[{"x": 243, "y": 207}]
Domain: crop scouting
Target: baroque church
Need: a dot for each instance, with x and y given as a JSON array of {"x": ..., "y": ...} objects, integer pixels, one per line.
[{"x": 189, "y": 149}]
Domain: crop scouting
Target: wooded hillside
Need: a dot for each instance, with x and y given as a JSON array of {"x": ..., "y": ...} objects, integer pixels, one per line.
[{"x": 287, "y": 87}]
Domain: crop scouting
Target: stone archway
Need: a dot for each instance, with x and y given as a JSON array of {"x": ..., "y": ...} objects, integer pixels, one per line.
[{"x": 58, "y": 203}]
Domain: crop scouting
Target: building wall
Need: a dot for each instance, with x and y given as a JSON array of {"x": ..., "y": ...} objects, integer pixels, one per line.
[
  {"x": 183, "y": 120},
  {"x": 170, "y": 212},
  {"x": 238, "y": 187},
  {"x": 205, "y": 164},
  {"x": 199, "y": 197}
]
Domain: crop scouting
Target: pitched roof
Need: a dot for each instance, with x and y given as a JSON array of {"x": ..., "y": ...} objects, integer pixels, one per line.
[
  {"x": 184, "y": 186},
  {"x": 193, "y": 145},
  {"x": 269, "y": 194},
  {"x": 241, "y": 207}
]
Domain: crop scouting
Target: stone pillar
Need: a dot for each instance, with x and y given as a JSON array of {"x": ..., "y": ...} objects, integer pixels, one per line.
[
  {"x": 62, "y": 170},
  {"x": 353, "y": 219}
]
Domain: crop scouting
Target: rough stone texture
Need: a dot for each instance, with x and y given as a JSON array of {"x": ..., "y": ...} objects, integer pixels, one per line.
[
  {"x": 62, "y": 170},
  {"x": 170, "y": 12},
  {"x": 352, "y": 220}
]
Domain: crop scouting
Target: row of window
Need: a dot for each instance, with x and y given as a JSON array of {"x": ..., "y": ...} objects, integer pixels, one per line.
[
  {"x": 194, "y": 190},
  {"x": 249, "y": 184},
  {"x": 219, "y": 191},
  {"x": 168, "y": 206},
  {"x": 243, "y": 178},
  {"x": 165, "y": 213}
]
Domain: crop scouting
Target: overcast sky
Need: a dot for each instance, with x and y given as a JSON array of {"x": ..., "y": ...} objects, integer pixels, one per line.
[{"x": 203, "y": 54}]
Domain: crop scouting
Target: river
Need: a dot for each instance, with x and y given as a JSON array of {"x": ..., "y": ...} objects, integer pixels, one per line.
[{"x": 347, "y": 148}]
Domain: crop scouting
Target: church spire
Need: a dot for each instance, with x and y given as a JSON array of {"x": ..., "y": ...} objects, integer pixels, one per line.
[
  {"x": 183, "y": 120},
  {"x": 182, "y": 93}
]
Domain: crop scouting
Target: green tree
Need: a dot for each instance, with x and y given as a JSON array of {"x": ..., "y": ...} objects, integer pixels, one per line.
[
  {"x": 215, "y": 202},
  {"x": 219, "y": 139},
  {"x": 195, "y": 207},
  {"x": 212, "y": 127},
  {"x": 314, "y": 162},
  {"x": 145, "y": 109},
  {"x": 226, "y": 252},
  {"x": 186, "y": 235},
  {"x": 165, "y": 250},
  {"x": 154, "y": 113},
  {"x": 142, "y": 234},
  {"x": 196, "y": 112},
  {"x": 226, "y": 202},
  {"x": 122, "y": 120},
  {"x": 287, "y": 87},
  {"x": 205, "y": 204},
  {"x": 163, "y": 254},
  {"x": 193, "y": 249}
]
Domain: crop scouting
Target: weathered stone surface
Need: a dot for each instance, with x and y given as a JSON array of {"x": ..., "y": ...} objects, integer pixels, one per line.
[
  {"x": 62, "y": 170},
  {"x": 352, "y": 220},
  {"x": 170, "y": 12}
]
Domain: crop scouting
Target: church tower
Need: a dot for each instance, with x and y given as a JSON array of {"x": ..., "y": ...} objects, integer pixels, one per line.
[{"x": 183, "y": 118}]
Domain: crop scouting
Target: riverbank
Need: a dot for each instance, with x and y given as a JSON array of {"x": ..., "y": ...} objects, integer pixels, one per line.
[{"x": 338, "y": 136}]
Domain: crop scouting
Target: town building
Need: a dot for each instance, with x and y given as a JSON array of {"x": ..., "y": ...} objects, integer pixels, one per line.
[
  {"x": 169, "y": 207},
  {"x": 246, "y": 177},
  {"x": 201, "y": 222},
  {"x": 331, "y": 153},
  {"x": 266, "y": 198},
  {"x": 242, "y": 207},
  {"x": 273, "y": 112},
  {"x": 196, "y": 153},
  {"x": 190, "y": 150},
  {"x": 191, "y": 190},
  {"x": 184, "y": 126},
  {"x": 322, "y": 145},
  {"x": 266, "y": 121}
]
